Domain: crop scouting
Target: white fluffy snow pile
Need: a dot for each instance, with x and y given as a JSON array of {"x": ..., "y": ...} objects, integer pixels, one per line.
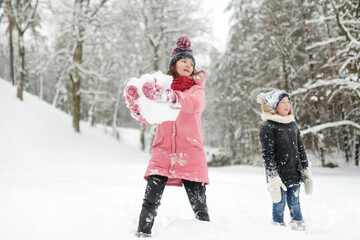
[{"x": 154, "y": 112}]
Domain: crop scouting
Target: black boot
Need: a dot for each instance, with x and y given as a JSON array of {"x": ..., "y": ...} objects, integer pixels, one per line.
[
  {"x": 153, "y": 194},
  {"x": 196, "y": 194}
]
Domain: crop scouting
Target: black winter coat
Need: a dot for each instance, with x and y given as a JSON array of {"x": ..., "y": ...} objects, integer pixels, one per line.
[{"x": 283, "y": 152}]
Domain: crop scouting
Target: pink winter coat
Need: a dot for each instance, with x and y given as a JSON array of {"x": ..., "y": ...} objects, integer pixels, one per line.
[{"x": 178, "y": 150}]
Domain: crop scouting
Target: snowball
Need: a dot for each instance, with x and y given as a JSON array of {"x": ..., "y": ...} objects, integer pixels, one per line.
[
  {"x": 152, "y": 111},
  {"x": 314, "y": 98}
]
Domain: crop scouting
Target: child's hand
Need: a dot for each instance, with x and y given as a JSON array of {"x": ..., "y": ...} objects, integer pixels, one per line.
[
  {"x": 157, "y": 93},
  {"x": 169, "y": 96},
  {"x": 131, "y": 92},
  {"x": 152, "y": 90},
  {"x": 134, "y": 108},
  {"x": 131, "y": 95},
  {"x": 309, "y": 185},
  {"x": 274, "y": 186}
]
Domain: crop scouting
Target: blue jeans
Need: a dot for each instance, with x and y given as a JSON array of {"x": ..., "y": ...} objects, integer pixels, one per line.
[{"x": 291, "y": 197}]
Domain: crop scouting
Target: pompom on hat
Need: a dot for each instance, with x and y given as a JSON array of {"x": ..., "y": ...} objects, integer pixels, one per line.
[
  {"x": 272, "y": 99},
  {"x": 181, "y": 51}
]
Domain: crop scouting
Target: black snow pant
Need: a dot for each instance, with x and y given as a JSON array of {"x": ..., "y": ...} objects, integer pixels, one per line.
[{"x": 153, "y": 193}]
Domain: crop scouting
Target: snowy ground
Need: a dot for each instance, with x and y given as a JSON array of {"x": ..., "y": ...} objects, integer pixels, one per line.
[{"x": 56, "y": 185}]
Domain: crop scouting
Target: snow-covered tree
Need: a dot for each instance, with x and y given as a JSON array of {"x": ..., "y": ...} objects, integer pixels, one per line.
[
  {"x": 333, "y": 96},
  {"x": 7, "y": 5},
  {"x": 23, "y": 15},
  {"x": 308, "y": 48},
  {"x": 79, "y": 21},
  {"x": 121, "y": 40}
]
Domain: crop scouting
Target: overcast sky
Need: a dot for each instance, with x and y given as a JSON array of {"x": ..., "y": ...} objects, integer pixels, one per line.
[{"x": 220, "y": 21}]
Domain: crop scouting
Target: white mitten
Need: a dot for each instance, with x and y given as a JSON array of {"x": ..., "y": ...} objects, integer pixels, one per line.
[
  {"x": 274, "y": 186},
  {"x": 309, "y": 184}
]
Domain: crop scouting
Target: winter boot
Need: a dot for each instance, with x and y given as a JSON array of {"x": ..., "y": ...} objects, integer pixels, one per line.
[
  {"x": 297, "y": 225},
  {"x": 142, "y": 235},
  {"x": 153, "y": 194},
  {"x": 278, "y": 224}
]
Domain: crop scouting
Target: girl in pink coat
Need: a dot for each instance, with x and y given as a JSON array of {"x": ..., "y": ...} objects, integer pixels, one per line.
[{"x": 177, "y": 156}]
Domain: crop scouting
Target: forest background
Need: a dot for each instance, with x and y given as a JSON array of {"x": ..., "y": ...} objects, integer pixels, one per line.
[{"x": 78, "y": 55}]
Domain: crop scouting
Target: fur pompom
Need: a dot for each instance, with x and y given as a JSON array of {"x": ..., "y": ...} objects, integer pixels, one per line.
[{"x": 183, "y": 43}]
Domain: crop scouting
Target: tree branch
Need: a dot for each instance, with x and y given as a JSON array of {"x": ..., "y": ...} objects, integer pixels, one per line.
[{"x": 321, "y": 127}]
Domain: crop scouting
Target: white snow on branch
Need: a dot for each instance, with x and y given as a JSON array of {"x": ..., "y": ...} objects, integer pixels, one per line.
[
  {"x": 320, "y": 19},
  {"x": 351, "y": 22},
  {"x": 87, "y": 73},
  {"x": 323, "y": 83},
  {"x": 320, "y": 127},
  {"x": 323, "y": 43}
]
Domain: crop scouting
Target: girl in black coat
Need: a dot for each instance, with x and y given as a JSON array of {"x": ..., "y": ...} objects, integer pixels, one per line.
[{"x": 284, "y": 157}]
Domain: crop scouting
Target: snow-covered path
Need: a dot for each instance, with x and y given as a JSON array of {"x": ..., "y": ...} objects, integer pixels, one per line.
[{"x": 56, "y": 185}]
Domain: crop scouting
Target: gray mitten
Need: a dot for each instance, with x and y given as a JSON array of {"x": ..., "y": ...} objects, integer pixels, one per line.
[
  {"x": 309, "y": 185},
  {"x": 274, "y": 186}
]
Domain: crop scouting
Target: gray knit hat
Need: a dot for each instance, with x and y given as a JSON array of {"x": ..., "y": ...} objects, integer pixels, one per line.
[{"x": 272, "y": 99}]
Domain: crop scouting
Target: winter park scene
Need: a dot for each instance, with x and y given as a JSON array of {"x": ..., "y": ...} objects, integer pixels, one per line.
[{"x": 209, "y": 119}]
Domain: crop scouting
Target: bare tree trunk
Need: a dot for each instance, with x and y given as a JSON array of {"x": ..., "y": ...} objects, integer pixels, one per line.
[
  {"x": 322, "y": 157},
  {"x": 91, "y": 113},
  {"x": 55, "y": 99},
  {"x": 22, "y": 22},
  {"x": 75, "y": 78},
  {"x": 347, "y": 147},
  {"x": 307, "y": 41},
  {"x": 20, "y": 84},
  {"x": 116, "y": 110},
  {"x": 286, "y": 75},
  {"x": 75, "y": 87},
  {"x": 142, "y": 136},
  {"x": 334, "y": 70},
  {"x": 41, "y": 90},
  {"x": 357, "y": 150},
  {"x": 156, "y": 58},
  {"x": 11, "y": 44}
]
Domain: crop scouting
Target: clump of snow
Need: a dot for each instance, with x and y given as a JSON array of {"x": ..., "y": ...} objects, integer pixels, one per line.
[
  {"x": 314, "y": 98},
  {"x": 155, "y": 112}
]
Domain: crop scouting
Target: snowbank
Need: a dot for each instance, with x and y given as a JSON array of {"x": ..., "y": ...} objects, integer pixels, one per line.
[{"x": 57, "y": 184}]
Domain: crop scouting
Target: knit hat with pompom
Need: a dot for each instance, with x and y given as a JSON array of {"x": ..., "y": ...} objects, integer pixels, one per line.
[
  {"x": 182, "y": 51},
  {"x": 272, "y": 99}
]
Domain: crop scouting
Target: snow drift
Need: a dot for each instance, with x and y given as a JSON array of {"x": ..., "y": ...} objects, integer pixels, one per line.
[{"x": 57, "y": 184}]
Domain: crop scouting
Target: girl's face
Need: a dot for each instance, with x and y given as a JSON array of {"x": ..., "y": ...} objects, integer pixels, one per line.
[
  {"x": 284, "y": 107},
  {"x": 184, "y": 67}
]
